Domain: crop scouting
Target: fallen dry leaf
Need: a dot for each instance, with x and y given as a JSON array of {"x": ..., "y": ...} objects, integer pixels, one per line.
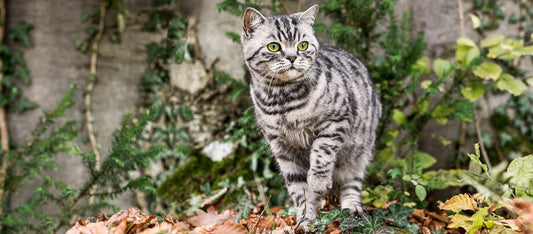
[
  {"x": 209, "y": 218},
  {"x": 230, "y": 227},
  {"x": 131, "y": 215},
  {"x": 428, "y": 221},
  {"x": 524, "y": 208},
  {"x": 258, "y": 223},
  {"x": 206, "y": 229},
  {"x": 459, "y": 202}
]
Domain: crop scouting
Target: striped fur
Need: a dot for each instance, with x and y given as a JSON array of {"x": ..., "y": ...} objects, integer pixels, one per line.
[{"x": 318, "y": 113}]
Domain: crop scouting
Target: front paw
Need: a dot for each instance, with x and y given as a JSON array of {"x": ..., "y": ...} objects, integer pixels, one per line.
[{"x": 319, "y": 185}]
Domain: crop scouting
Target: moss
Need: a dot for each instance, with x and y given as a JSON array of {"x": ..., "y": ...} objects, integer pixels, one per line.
[
  {"x": 187, "y": 179},
  {"x": 198, "y": 170}
]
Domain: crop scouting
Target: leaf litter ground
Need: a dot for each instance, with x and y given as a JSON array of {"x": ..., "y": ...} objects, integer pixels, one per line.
[{"x": 460, "y": 214}]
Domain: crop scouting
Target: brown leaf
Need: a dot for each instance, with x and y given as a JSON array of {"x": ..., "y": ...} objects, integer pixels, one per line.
[
  {"x": 120, "y": 228},
  {"x": 524, "y": 207},
  {"x": 143, "y": 224},
  {"x": 206, "y": 229},
  {"x": 132, "y": 214},
  {"x": 84, "y": 226},
  {"x": 230, "y": 227},
  {"x": 166, "y": 227},
  {"x": 276, "y": 209},
  {"x": 460, "y": 202},
  {"x": 425, "y": 230},
  {"x": 98, "y": 227},
  {"x": 209, "y": 218}
]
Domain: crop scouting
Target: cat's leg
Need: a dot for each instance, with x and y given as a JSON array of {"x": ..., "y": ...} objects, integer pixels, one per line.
[
  {"x": 323, "y": 156},
  {"x": 295, "y": 176},
  {"x": 349, "y": 176}
]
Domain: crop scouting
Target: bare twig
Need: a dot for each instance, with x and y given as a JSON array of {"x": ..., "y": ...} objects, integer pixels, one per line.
[
  {"x": 299, "y": 6},
  {"x": 258, "y": 220},
  {"x": 478, "y": 132},
  {"x": 90, "y": 87},
  {"x": 284, "y": 6},
  {"x": 495, "y": 139},
  {"x": 461, "y": 17},
  {"x": 262, "y": 193},
  {"x": 4, "y": 134},
  {"x": 461, "y": 143}
]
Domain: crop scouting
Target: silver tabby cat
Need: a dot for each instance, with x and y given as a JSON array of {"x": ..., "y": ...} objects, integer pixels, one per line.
[{"x": 316, "y": 106}]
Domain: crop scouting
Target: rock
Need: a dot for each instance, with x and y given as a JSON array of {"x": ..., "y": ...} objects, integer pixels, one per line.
[
  {"x": 217, "y": 150},
  {"x": 191, "y": 77}
]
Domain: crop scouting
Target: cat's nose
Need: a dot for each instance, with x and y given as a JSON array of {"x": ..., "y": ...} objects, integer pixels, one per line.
[{"x": 291, "y": 58}]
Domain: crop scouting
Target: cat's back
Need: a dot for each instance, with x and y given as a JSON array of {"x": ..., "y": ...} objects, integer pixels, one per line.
[
  {"x": 348, "y": 75},
  {"x": 334, "y": 58}
]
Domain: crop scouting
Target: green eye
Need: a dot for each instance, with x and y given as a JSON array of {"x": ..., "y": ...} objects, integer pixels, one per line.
[
  {"x": 273, "y": 47},
  {"x": 303, "y": 46}
]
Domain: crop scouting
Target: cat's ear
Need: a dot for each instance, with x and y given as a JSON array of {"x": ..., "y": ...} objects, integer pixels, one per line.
[
  {"x": 252, "y": 18},
  {"x": 309, "y": 15}
]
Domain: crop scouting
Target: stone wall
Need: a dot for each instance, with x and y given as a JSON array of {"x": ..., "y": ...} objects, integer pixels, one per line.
[{"x": 55, "y": 64}]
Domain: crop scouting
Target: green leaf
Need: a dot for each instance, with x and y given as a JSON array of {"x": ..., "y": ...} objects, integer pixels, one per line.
[
  {"x": 422, "y": 65},
  {"x": 400, "y": 214},
  {"x": 440, "y": 66},
  {"x": 399, "y": 117},
  {"x": 24, "y": 104},
  {"x": 425, "y": 84},
  {"x": 492, "y": 40},
  {"x": 441, "y": 113},
  {"x": 472, "y": 54},
  {"x": 521, "y": 172},
  {"x": 24, "y": 74},
  {"x": 509, "y": 49},
  {"x": 420, "y": 192},
  {"x": 475, "y": 21},
  {"x": 478, "y": 219},
  {"x": 464, "y": 48},
  {"x": 475, "y": 162},
  {"x": 423, "y": 161},
  {"x": 508, "y": 83},
  {"x": 466, "y": 42},
  {"x": 527, "y": 50},
  {"x": 462, "y": 110},
  {"x": 473, "y": 91},
  {"x": 529, "y": 81},
  {"x": 21, "y": 33},
  {"x": 488, "y": 70},
  {"x": 234, "y": 37}
]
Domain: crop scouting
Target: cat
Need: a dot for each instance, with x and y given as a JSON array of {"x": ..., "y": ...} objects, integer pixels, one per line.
[{"x": 316, "y": 107}]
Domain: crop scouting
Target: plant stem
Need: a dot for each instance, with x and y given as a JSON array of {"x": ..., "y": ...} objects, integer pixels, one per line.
[
  {"x": 461, "y": 17},
  {"x": 460, "y": 144},
  {"x": 284, "y": 6},
  {"x": 90, "y": 87},
  {"x": 4, "y": 134},
  {"x": 478, "y": 133}
]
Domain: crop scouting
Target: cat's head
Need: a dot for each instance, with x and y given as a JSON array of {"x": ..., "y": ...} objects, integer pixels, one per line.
[{"x": 280, "y": 47}]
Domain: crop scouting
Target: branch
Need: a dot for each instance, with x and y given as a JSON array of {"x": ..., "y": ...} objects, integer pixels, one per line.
[
  {"x": 284, "y": 7},
  {"x": 461, "y": 17},
  {"x": 4, "y": 135},
  {"x": 90, "y": 86}
]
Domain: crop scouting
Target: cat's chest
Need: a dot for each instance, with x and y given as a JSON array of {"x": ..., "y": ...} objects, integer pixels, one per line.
[{"x": 297, "y": 133}]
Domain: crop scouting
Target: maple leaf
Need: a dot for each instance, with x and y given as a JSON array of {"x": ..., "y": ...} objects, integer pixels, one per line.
[
  {"x": 209, "y": 218},
  {"x": 460, "y": 202}
]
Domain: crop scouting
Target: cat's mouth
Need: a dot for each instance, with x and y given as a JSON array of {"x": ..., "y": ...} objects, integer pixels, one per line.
[
  {"x": 290, "y": 74},
  {"x": 292, "y": 68}
]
